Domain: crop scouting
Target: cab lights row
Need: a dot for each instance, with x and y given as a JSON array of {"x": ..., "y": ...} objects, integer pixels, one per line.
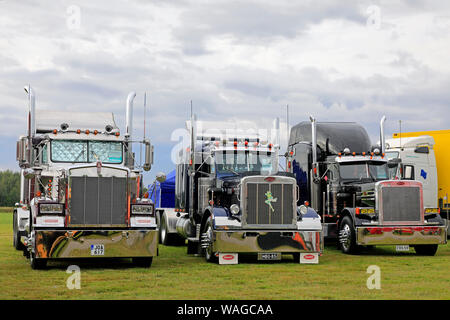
[
  {"x": 65, "y": 128},
  {"x": 375, "y": 152},
  {"x": 87, "y": 132}
]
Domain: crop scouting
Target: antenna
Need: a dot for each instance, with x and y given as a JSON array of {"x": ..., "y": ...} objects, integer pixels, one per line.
[
  {"x": 287, "y": 125},
  {"x": 145, "y": 108},
  {"x": 140, "y": 147}
]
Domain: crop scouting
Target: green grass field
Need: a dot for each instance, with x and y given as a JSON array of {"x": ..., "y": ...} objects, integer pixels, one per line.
[{"x": 175, "y": 275}]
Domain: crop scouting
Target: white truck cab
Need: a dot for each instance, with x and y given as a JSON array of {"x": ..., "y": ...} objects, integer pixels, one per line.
[{"x": 418, "y": 162}]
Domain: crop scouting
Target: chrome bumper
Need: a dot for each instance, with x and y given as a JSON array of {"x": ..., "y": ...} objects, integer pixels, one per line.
[
  {"x": 398, "y": 235},
  {"x": 254, "y": 241},
  {"x": 58, "y": 244}
]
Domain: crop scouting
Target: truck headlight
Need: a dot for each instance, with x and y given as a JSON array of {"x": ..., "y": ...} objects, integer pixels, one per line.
[
  {"x": 303, "y": 209},
  {"x": 51, "y": 208},
  {"x": 234, "y": 209},
  {"x": 144, "y": 209}
]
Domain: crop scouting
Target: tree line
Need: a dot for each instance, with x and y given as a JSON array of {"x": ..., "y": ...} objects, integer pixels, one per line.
[{"x": 9, "y": 188}]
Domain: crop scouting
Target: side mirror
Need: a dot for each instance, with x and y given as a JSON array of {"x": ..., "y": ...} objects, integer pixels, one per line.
[
  {"x": 21, "y": 152},
  {"x": 408, "y": 172},
  {"x": 160, "y": 177},
  {"x": 148, "y": 155},
  {"x": 392, "y": 163}
]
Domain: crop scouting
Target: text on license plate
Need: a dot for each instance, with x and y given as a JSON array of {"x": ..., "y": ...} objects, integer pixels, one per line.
[
  {"x": 402, "y": 248},
  {"x": 97, "y": 250},
  {"x": 269, "y": 256}
]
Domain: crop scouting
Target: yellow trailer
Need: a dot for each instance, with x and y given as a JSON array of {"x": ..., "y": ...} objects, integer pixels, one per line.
[{"x": 442, "y": 154}]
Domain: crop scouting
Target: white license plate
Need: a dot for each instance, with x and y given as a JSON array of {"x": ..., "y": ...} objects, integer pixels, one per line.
[
  {"x": 403, "y": 248},
  {"x": 269, "y": 256},
  {"x": 97, "y": 250}
]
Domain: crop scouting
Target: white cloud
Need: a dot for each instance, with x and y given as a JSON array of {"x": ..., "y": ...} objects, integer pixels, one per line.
[{"x": 234, "y": 59}]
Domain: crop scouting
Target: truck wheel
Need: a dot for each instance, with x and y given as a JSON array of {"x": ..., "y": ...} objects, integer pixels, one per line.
[
  {"x": 16, "y": 237},
  {"x": 347, "y": 236},
  {"x": 207, "y": 241},
  {"x": 163, "y": 232},
  {"x": 426, "y": 249},
  {"x": 143, "y": 262},
  {"x": 36, "y": 263}
]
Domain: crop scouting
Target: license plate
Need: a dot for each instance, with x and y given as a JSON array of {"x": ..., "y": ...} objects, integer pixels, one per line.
[
  {"x": 97, "y": 250},
  {"x": 403, "y": 248},
  {"x": 269, "y": 256}
]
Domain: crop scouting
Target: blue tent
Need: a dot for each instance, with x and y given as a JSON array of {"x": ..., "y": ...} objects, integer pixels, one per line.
[{"x": 163, "y": 194}]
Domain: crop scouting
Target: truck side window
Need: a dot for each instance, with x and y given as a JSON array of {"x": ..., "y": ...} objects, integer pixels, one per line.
[
  {"x": 423, "y": 149},
  {"x": 44, "y": 156}
]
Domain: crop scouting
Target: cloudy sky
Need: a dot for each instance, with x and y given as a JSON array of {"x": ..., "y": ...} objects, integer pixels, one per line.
[{"x": 352, "y": 60}]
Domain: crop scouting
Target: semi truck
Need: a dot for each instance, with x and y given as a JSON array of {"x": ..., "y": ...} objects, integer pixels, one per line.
[
  {"x": 231, "y": 200},
  {"x": 423, "y": 156},
  {"x": 346, "y": 180},
  {"x": 81, "y": 192}
]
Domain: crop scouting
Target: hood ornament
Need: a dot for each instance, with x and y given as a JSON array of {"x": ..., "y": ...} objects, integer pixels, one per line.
[{"x": 99, "y": 168}]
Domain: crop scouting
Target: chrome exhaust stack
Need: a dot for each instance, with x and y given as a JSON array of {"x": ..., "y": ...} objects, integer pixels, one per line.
[
  {"x": 129, "y": 115},
  {"x": 382, "y": 136},
  {"x": 129, "y": 130},
  {"x": 314, "y": 139},
  {"x": 31, "y": 111}
]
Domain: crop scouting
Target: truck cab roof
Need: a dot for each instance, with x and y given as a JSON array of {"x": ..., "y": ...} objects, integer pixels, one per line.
[
  {"x": 410, "y": 142},
  {"x": 47, "y": 121}
]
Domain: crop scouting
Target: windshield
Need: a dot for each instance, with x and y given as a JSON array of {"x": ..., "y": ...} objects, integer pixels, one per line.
[
  {"x": 364, "y": 170},
  {"x": 392, "y": 154},
  {"x": 81, "y": 151},
  {"x": 243, "y": 162}
]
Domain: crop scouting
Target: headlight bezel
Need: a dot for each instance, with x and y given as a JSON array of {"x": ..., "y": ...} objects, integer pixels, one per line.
[{"x": 235, "y": 209}]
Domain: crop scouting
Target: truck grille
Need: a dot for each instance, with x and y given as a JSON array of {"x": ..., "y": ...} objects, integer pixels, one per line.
[
  {"x": 97, "y": 201},
  {"x": 269, "y": 205},
  {"x": 400, "y": 205}
]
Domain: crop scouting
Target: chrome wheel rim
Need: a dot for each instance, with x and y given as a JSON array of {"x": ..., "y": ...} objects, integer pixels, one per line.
[
  {"x": 345, "y": 237},
  {"x": 208, "y": 250}
]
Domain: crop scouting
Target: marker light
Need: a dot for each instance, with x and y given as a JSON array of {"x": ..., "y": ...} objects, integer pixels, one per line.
[
  {"x": 55, "y": 131},
  {"x": 78, "y": 131},
  {"x": 87, "y": 132}
]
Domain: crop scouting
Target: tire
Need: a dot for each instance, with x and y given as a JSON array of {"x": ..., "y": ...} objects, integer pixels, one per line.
[
  {"x": 143, "y": 262},
  {"x": 36, "y": 263},
  {"x": 208, "y": 235},
  {"x": 18, "y": 245},
  {"x": 163, "y": 232},
  {"x": 426, "y": 249},
  {"x": 347, "y": 236}
]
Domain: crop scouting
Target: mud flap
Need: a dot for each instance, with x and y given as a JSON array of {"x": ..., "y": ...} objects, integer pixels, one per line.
[
  {"x": 228, "y": 258},
  {"x": 309, "y": 258}
]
